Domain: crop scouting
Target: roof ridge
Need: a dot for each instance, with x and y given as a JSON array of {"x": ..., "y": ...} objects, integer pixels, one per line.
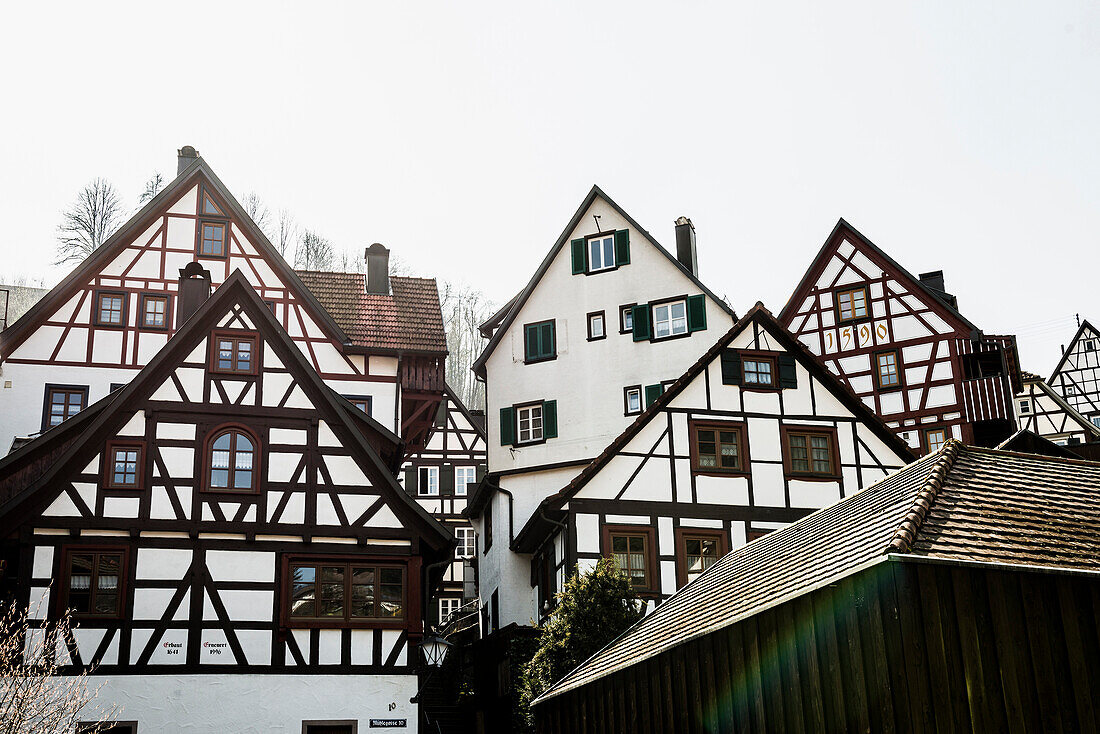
[{"x": 926, "y": 497}]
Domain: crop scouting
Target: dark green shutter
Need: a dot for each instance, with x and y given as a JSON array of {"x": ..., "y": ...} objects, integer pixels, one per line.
[
  {"x": 579, "y": 260},
  {"x": 546, "y": 340},
  {"x": 410, "y": 481},
  {"x": 731, "y": 367},
  {"x": 550, "y": 419},
  {"x": 622, "y": 247},
  {"x": 507, "y": 426},
  {"x": 446, "y": 479},
  {"x": 697, "y": 313},
  {"x": 788, "y": 373},
  {"x": 652, "y": 392},
  {"x": 641, "y": 322},
  {"x": 530, "y": 341}
]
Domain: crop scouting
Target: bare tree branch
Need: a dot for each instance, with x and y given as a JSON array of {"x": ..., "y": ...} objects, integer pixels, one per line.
[
  {"x": 286, "y": 233},
  {"x": 152, "y": 188},
  {"x": 313, "y": 252},
  {"x": 464, "y": 309},
  {"x": 257, "y": 210},
  {"x": 88, "y": 223}
]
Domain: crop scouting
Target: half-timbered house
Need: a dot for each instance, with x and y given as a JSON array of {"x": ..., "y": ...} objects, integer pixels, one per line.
[
  {"x": 607, "y": 320},
  {"x": 902, "y": 345},
  {"x": 755, "y": 435},
  {"x": 230, "y": 535},
  {"x": 1044, "y": 412},
  {"x": 379, "y": 341},
  {"x": 1076, "y": 377},
  {"x": 441, "y": 476}
]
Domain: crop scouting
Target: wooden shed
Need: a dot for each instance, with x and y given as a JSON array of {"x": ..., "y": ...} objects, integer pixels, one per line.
[{"x": 960, "y": 594}]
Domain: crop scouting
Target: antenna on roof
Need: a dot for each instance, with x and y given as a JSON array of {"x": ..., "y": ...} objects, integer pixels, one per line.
[{"x": 597, "y": 218}]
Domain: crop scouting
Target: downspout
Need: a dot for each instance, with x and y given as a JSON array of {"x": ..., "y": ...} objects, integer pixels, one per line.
[{"x": 511, "y": 514}]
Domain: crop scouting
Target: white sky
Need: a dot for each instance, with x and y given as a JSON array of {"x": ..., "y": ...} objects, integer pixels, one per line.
[{"x": 961, "y": 136}]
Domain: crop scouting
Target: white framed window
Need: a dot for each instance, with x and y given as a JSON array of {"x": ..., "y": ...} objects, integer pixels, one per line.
[
  {"x": 626, "y": 319},
  {"x": 1095, "y": 420},
  {"x": 596, "y": 326},
  {"x": 448, "y": 605},
  {"x": 670, "y": 319},
  {"x": 464, "y": 477},
  {"x": 632, "y": 399},
  {"x": 529, "y": 422},
  {"x": 601, "y": 252},
  {"x": 428, "y": 481},
  {"x": 467, "y": 543},
  {"x": 1025, "y": 407}
]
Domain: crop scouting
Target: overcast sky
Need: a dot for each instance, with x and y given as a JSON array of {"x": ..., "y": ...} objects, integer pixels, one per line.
[{"x": 961, "y": 136}]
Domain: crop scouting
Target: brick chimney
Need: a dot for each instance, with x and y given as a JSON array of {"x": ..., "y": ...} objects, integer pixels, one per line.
[
  {"x": 685, "y": 245},
  {"x": 378, "y": 269},
  {"x": 185, "y": 156}
]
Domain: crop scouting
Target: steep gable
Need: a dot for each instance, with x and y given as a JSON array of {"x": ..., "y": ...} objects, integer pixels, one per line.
[{"x": 1077, "y": 375}]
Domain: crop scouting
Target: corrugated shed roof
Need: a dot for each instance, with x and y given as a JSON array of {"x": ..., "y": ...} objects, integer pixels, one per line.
[
  {"x": 962, "y": 503},
  {"x": 409, "y": 319}
]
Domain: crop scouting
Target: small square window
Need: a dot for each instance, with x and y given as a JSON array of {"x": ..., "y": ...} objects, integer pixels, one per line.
[
  {"x": 632, "y": 399},
  {"x": 758, "y": 371},
  {"x": 887, "y": 374},
  {"x": 1025, "y": 407},
  {"x": 465, "y": 477},
  {"x": 670, "y": 319},
  {"x": 696, "y": 551},
  {"x": 111, "y": 309},
  {"x": 529, "y": 423},
  {"x": 851, "y": 304},
  {"x": 362, "y": 402},
  {"x": 428, "y": 481},
  {"x": 154, "y": 312},
  {"x": 234, "y": 354},
  {"x": 62, "y": 403},
  {"x": 934, "y": 439},
  {"x": 124, "y": 466},
  {"x": 1090, "y": 345},
  {"x": 596, "y": 326},
  {"x": 601, "y": 252},
  {"x": 626, "y": 319},
  {"x": 212, "y": 239}
]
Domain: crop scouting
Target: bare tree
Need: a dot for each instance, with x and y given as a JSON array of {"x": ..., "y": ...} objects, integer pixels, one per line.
[
  {"x": 36, "y": 695},
  {"x": 286, "y": 233},
  {"x": 398, "y": 266},
  {"x": 464, "y": 309},
  {"x": 257, "y": 211},
  {"x": 350, "y": 261},
  {"x": 313, "y": 252},
  {"x": 87, "y": 224},
  {"x": 152, "y": 188}
]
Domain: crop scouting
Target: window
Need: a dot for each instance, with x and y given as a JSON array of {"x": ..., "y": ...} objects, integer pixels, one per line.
[
  {"x": 886, "y": 370},
  {"x": 631, "y": 548},
  {"x": 1025, "y": 407},
  {"x": 124, "y": 466},
  {"x": 466, "y": 542},
  {"x": 428, "y": 481},
  {"x": 596, "y": 326},
  {"x": 62, "y": 403},
  {"x": 529, "y": 423},
  {"x": 235, "y": 354},
  {"x": 93, "y": 581},
  {"x": 212, "y": 239},
  {"x": 718, "y": 448},
  {"x": 934, "y": 439},
  {"x": 632, "y": 399},
  {"x": 448, "y": 606},
  {"x": 110, "y": 309},
  {"x": 1090, "y": 345},
  {"x": 538, "y": 341},
  {"x": 852, "y": 304},
  {"x": 1095, "y": 420},
  {"x": 758, "y": 371},
  {"x": 464, "y": 477},
  {"x": 670, "y": 319},
  {"x": 601, "y": 252},
  {"x": 232, "y": 458},
  {"x": 209, "y": 207},
  {"x": 696, "y": 551},
  {"x": 487, "y": 528},
  {"x": 345, "y": 591},
  {"x": 154, "y": 312},
  {"x": 626, "y": 318},
  {"x": 810, "y": 453},
  {"x": 362, "y": 402}
]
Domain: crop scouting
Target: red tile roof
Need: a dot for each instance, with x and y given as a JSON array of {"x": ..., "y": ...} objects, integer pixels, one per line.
[{"x": 409, "y": 319}]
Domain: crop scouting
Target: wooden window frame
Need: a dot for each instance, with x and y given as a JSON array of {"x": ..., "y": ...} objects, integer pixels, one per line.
[
  {"x": 421, "y": 486},
  {"x": 367, "y": 401},
  {"x": 286, "y": 621},
  {"x": 553, "y": 338},
  {"x": 46, "y": 402},
  {"x": 200, "y": 240},
  {"x": 625, "y": 310},
  {"x": 653, "y": 584},
  {"x": 866, "y": 303},
  {"x": 682, "y": 534},
  {"x": 786, "y": 431},
  {"x": 109, "y": 465},
  {"x": 626, "y": 400},
  {"x": 65, "y": 573},
  {"x": 878, "y": 371},
  {"x": 123, "y": 316},
  {"x": 719, "y": 425},
  {"x": 236, "y": 337},
  {"x": 653, "y": 305},
  {"x": 542, "y": 417},
  {"x": 930, "y": 429},
  {"x": 588, "y": 323},
  {"x": 588, "y": 253},
  {"x": 208, "y": 460},
  {"x": 772, "y": 358},
  {"x": 146, "y": 298}
]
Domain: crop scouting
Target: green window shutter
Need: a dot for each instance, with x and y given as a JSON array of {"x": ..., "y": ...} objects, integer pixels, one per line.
[
  {"x": 446, "y": 479},
  {"x": 580, "y": 259},
  {"x": 410, "y": 481},
  {"x": 731, "y": 367},
  {"x": 550, "y": 419},
  {"x": 547, "y": 347},
  {"x": 641, "y": 322},
  {"x": 530, "y": 341},
  {"x": 622, "y": 247},
  {"x": 697, "y": 313},
  {"x": 507, "y": 426},
  {"x": 652, "y": 392},
  {"x": 788, "y": 373}
]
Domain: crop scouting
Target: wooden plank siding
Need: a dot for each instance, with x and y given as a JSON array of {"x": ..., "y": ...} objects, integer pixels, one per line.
[{"x": 905, "y": 647}]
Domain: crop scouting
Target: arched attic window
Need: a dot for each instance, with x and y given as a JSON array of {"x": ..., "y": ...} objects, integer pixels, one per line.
[{"x": 231, "y": 459}]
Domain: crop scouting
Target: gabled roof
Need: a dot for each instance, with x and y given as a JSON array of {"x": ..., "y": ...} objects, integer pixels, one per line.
[
  {"x": 1086, "y": 425},
  {"x": 18, "y": 332},
  {"x": 518, "y": 302},
  {"x": 843, "y": 229},
  {"x": 962, "y": 503},
  {"x": 1085, "y": 326},
  {"x": 757, "y": 314},
  {"x": 407, "y": 320},
  {"x": 475, "y": 423},
  {"x": 1024, "y": 441},
  {"x": 88, "y": 429}
]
